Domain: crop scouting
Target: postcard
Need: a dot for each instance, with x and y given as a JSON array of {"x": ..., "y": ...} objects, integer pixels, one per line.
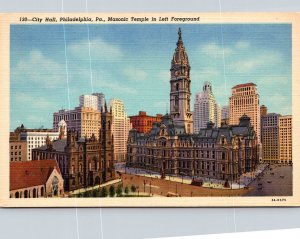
[{"x": 150, "y": 110}]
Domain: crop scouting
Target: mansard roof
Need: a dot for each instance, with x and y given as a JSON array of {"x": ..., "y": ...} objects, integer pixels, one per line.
[{"x": 209, "y": 134}]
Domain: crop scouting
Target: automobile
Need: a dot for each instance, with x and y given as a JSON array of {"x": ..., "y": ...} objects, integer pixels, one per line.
[{"x": 170, "y": 194}]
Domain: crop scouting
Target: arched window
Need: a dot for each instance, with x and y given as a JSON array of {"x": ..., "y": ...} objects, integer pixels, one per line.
[
  {"x": 42, "y": 191},
  {"x": 25, "y": 194},
  {"x": 55, "y": 186},
  {"x": 176, "y": 101},
  {"x": 34, "y": 193},
  {"x": 17, "y": 195},
  {"x": 177, "y": 86}
]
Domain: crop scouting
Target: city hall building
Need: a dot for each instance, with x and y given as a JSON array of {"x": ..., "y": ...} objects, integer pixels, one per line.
[{"x": 171, "y": 147}]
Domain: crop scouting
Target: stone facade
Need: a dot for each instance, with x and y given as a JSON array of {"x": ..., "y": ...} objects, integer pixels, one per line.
[
  {"x": 222, "y": 153},
  {"x": 86, "y": 121},
  {"x": 245, "y": 100},
  {"x": 83, "y": 162},
  {"x": 180, "y": 91},
  {"x": 285, "y": 139}
]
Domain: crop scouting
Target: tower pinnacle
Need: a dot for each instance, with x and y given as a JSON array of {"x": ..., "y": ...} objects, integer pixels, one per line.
[{"x": 180, "y": 87}]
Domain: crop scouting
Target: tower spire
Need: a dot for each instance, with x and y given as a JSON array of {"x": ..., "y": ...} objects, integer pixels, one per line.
[
  {"x": 180, "y": 92},
  {"x": 179, "y": 37}
]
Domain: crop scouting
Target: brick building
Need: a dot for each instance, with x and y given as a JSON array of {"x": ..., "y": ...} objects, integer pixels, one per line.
[{"x": 143, "y": 122}]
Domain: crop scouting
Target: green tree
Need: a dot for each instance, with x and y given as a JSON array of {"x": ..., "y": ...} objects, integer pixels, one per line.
[
  {"x": 119, "y": 190},
  {"x": 112, "y": 191},
  {"x": 133, "y": 188},
  {"x": 103, "y": 192},
  {"x": 96, "y": 193},
  {"x": 87, "y": 194},
  {"x": 126, "y": 190}
]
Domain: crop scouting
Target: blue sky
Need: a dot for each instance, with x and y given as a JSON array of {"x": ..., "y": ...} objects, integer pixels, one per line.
[{"x": 132, "y": 62}]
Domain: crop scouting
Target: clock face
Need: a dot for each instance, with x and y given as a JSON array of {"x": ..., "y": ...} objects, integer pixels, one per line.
[{"x": 176, "y": 73}]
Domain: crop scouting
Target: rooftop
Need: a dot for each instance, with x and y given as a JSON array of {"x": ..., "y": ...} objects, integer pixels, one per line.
[
  {"x": 243, "y": 85},
  {"x": 31, "y": 173}
]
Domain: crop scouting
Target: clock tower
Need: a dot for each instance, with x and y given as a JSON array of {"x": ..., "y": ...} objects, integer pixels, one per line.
[{"x": 180, "y": 94}]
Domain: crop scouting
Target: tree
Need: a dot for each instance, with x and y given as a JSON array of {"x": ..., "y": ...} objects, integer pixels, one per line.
[
  {"x": 126, "y": 191},
  {"x": 96, "y": 193},
  {"x": 112, "y": 191},
  {"x": 133, "y": 188},
  {"x": 119, "y": 190},
  {"x": 103, "y": 192},
  {"x": 87, "y": 194}
]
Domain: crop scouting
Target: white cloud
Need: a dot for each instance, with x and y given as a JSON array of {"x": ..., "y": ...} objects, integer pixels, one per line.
[
  {"x": 33, "y": 101},
  {"x": 99, "y": 49},
  {"x": 213, "y": 49},
  {"x": 260, "y": 60},
  {"x": 38, "y": 69},
  {"x": 135, "y": 74}
]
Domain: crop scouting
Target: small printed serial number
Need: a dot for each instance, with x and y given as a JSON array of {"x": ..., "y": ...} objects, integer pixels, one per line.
[{"x": 278, "y": 199}]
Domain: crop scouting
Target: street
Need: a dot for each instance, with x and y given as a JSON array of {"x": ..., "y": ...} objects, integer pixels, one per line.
[{"x": 275, "y": 181}]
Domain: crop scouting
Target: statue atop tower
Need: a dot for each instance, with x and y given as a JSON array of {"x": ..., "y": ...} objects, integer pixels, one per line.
[{"x": 180, "y": 93}]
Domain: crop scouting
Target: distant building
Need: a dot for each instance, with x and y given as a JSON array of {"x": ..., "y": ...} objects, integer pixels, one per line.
[
  {"x": 120, "y": 128},
  {"x": 86, "y": 121},
  {"x": 84, "y": 162},
  {"x": 143, "y": 122},
  {"x": 225, "y": 115},
  {"x": 263, "y": 110},
  {"x": 270, "y": 138},
  {"x": 245, "y": 100},
  {"x": 88, "y": 101},
  {"x": 285, "y": 138},
  {"x": 223, "y": 153},
  {"x": 101, "y": 100},
  {"x": 206, "y": 109},
  {"x": 225, "y": 112},
  {"x": 17, "y": 148},
  {"x": 35, "y": 179},
  {"x": 29, "y": 138},
  {"x": 277, "y": 138}
]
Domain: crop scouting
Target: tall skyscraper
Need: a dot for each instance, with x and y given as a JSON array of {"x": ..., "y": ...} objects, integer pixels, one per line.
[
  {"x": 245, "y": 100},
  {"x": 180, "y": 88},
  {"x": 86, "y": 121},
  {"x": 101, "y": 100},
  {"x": 206, "y": 109},
  {"x": 120, "y": 128},
  {"x": 270, "y": 138},
  {"x": 89, "y": 101},
  {"x": 285, "y": 138}
]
